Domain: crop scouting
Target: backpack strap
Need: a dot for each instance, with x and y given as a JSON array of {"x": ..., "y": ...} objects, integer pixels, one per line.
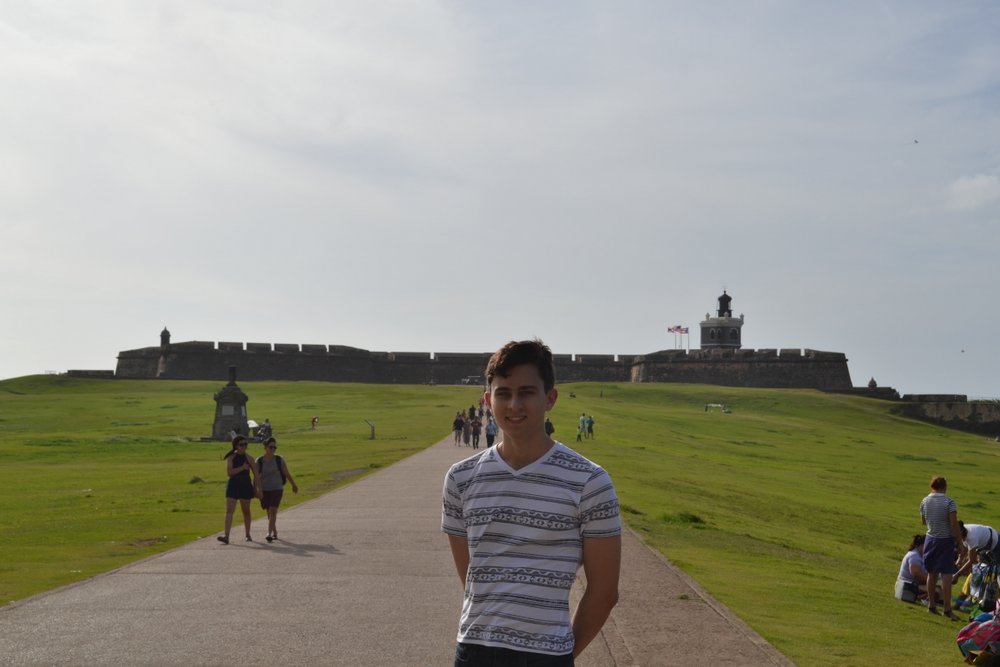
[{"x": 281, "y": 467}]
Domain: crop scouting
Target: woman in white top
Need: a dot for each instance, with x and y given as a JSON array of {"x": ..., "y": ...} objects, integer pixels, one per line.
[{"x": 981, "y": 540}]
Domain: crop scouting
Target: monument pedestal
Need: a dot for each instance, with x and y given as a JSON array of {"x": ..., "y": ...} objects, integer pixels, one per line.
[{"x": 230, "y": 410}]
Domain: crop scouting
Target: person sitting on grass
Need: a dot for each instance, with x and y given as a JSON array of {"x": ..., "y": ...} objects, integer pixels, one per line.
[{"x": 911, "y": 570}]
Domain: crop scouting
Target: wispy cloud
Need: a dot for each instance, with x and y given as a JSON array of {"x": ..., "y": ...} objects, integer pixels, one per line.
[{"x": 974, "y": 192}]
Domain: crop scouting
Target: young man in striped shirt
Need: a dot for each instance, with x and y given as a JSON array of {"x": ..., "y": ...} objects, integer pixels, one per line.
[{"x": 521, "y": 517}]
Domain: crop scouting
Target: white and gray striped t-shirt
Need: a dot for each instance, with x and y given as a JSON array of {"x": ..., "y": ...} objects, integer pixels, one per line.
[
  {"x": 934, "y": 509},
  {"x": 525, "y": 530}
]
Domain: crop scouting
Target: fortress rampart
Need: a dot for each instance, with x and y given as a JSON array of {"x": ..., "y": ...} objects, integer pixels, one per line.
[
  {"x": 199, "y": 360},
  {"x": 956, "y": 412}
]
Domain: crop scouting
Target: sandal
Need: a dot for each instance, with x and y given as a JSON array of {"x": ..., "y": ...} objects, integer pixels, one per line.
[
  {"x": 269, "y": 538},
  {"x": 932, "y": 610},
  {"x": 249, "y": 539},
  {"x": 949, "y": 614},
  {"x": 223, "y": 539}
]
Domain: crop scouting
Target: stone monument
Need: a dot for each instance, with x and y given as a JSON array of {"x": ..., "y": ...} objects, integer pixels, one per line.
[{"x": 230, "y": 410}]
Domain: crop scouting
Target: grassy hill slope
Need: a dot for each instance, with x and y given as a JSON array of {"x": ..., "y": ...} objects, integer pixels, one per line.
[{"x": 794, "y": 510}]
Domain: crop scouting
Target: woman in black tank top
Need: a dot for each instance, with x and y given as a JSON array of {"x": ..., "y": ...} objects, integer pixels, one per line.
[{"x": 239, "y": 468}]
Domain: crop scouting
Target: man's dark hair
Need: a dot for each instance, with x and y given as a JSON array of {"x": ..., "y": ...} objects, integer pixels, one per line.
[
  {"x": 939, "y": 483},
  {"x": 516, "y": 353}
]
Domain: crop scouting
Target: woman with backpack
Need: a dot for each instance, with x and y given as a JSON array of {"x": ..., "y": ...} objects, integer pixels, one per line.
[
  {"x": 272, "y": 472},
  {"x": 240, "y": 487}
]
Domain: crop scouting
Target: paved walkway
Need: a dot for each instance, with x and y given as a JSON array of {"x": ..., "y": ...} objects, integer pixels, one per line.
[{"x": 362, "y": 576}]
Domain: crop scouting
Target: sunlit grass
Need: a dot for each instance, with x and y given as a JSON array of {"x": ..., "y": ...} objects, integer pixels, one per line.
[
  {"x": 99, "y": 473},
  {"x": 794, "y": 510}
]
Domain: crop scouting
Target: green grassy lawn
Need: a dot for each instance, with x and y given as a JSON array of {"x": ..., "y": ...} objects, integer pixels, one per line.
[
  {"x": 99, "y": 473},
  {"x": 794, "y": 510}
]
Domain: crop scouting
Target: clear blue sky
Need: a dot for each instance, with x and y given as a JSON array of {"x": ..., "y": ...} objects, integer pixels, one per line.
[{"x": 446, "y": 176}]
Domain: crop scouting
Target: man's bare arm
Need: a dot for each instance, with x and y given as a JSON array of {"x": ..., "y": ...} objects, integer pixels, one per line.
[
  {"x": 460, "y": 552},
  {"x": 602, "y": 558}
]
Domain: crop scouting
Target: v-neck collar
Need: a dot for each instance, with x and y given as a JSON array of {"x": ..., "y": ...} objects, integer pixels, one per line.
[{"x": 526, "y": 469}]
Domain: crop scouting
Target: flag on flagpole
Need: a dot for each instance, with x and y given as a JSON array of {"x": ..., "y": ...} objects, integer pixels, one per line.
[{"x": 682, "y": 330}]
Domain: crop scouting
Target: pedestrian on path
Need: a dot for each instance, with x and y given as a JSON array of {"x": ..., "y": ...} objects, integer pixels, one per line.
[
  {"x": 457, "y": 425},
  {"x": 477, "y": 429},
  {"x": 272, "y": 473},
  {"x": 239, "y": 486},
  {"x": 552, "y": 510},
  {"x": 491, "y": 432}
]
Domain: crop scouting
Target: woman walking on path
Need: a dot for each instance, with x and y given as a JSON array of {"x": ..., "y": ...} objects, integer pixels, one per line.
[
  {"x": 457, "y": 424},
  {"x": 239, "y": 487},
  {"x": 467, "y": 431},
  {"x": 272, "y": 472},
  {"x": 940, "y": 514}
]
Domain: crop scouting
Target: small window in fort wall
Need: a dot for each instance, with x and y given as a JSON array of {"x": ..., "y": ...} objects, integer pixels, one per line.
[
  {"x": 712, "y": 334},
  {"x": 734, "y": 334}
]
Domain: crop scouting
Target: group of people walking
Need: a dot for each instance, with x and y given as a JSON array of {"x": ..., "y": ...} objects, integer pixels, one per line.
[
  {"x": 248, "y": 478},
  {"x": 470, "y": 427}
]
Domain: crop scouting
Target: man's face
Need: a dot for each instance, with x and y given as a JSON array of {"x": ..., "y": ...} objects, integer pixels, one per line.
[{"x": 519, "y": 401}]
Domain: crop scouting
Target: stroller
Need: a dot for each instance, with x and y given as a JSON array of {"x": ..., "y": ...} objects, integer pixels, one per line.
[
  {"x": 983, "y": 586},
  {"x": 979, "y": 641}
]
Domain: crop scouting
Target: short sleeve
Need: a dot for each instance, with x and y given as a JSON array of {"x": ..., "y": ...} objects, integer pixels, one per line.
[
  {"x": 452, "y": 518},
  {"x": 599, "y": 516}
]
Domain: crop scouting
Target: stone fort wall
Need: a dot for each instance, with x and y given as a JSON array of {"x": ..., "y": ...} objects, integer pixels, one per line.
[{"x": 197, "y": 360}]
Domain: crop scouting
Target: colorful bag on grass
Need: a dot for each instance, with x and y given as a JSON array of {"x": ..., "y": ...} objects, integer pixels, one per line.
[{"x": 978, "y": 637}]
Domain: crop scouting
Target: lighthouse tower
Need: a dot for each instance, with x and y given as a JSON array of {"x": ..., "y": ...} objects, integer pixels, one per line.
[{"x": 722, "y": 331}]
